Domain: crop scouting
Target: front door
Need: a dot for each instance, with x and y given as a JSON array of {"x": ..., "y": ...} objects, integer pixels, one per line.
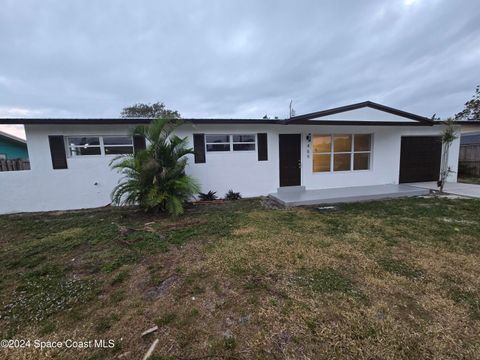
[{"x": 289, "y": 152}]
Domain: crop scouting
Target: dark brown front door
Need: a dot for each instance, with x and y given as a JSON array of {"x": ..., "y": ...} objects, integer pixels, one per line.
[
  {"x": 420, "y": 158},
  {"x": 289, "y": 150}
]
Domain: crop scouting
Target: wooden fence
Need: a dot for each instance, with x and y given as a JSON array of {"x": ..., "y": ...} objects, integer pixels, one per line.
[
  {"x": 14, "y": 164},
  {"x": 469, "y": 161}
]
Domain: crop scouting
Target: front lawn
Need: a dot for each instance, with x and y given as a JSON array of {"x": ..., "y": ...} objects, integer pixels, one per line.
[{"x": 386, "y": 280}]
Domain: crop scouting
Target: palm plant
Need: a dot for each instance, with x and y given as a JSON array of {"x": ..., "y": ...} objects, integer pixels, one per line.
[{"x": 155, "y": 178}]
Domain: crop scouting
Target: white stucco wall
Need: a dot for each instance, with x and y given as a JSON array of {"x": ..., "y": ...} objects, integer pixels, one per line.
[
  {"x": 236, "y": 170},
  {"x": 88, "y": 181},
  {"x": 385, "y": 160},
  {"x": 242, "y": 172}
]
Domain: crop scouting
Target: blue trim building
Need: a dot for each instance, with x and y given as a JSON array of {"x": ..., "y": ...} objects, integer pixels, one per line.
[{"x": 12, "y": 147}]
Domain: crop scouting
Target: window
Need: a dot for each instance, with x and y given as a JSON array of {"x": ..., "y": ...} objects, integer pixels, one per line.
[
  {"x": 217, "y": 142},
  {"x": 243, "y": 142},
  {"x": 99, "y": 145},
  {"x": 322, "y": 147},
  {"x": 362, "y": 151},
  {"x": 342, "y": 148},
  {"x": 115, "y": 145},
  {"x": 81, "y": 146},
  {"x": 342, "y": 152}
]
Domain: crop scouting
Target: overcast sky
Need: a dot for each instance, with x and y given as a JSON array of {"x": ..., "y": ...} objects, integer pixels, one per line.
[{"x": 236, "y": 58}]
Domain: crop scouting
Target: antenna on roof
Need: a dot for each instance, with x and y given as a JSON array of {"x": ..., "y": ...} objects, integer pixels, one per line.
[{"x": 292, "y": 110}]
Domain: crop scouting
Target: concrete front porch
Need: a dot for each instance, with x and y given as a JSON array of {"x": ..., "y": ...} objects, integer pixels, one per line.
[
  {"x": 454, "y": 188},
  {"x": 299, "y": 196}
]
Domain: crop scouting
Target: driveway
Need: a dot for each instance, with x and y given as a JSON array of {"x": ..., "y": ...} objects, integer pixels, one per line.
[{"x": 469, "y": 190}]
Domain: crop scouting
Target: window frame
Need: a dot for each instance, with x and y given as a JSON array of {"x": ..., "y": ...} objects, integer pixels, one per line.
[
  {"x": 70, "y": 147},
  {"x": 231, "y": 143},
  {"x": 352, "y": 153},
  {"x": 101, "y": 146},
  {"x": 117, "y": 145},
  {"x": 254, "y": 142}
]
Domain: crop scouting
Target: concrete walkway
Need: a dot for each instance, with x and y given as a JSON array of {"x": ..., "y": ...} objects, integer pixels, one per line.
[
  {"x": 349, "y": 194},
  {"x": 468, "y": 190}
]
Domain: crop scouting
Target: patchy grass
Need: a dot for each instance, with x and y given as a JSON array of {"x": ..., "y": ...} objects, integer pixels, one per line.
[
  {"x": 105, "y": 323},
  {"x": 390, "y": 279},
  {"x": 471, "y": 298},
  {"x": 120, "y": 278},
  {"x": 166, "y": 319},
  {"x": 324, "y": 280},
  {"x": 42, "y": 295},
  {"x": 400, "y": 268}
]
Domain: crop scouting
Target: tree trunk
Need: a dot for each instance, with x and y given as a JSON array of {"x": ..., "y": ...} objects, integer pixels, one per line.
[{"x": 444, "y": 168}]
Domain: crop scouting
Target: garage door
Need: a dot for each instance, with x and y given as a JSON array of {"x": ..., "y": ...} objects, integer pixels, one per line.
[{"x": 420, "y": 158}]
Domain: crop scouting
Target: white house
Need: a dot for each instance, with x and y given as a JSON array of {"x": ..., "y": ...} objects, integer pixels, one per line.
[{"x": 350, "y": 146}]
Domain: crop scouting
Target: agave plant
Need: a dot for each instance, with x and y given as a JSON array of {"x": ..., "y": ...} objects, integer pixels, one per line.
[
  {"x": 232, "y": 195},
  {"x": 210, "y": 196},
  {"x": 155, "y": 178}
]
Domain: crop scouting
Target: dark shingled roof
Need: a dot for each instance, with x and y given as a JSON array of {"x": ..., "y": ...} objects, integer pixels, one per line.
[
  {"x": 63, "y": 121},
  {"x": 295, "y": 120}
]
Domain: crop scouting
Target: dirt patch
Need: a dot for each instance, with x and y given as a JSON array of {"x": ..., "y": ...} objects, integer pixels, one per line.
[
  {"x": 156, "y": 292},
  {"x": 185, "y": 223}
]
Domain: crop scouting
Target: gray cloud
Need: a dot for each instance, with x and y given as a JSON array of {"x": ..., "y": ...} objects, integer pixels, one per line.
[{"x": 236, "y": 59}]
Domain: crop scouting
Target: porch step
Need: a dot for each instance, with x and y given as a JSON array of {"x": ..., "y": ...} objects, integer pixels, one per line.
[
  {"x": 350, "y": 194},
  {"x": 289, "y": 189}
]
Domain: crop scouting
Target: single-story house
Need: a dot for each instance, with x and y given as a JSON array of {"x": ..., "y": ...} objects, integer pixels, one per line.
[
  {"x": 12, "y": 147},
  {"x": 349, "y": 146}
]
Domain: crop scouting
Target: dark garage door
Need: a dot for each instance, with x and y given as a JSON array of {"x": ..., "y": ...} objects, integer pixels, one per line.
[{"x": 420, "y": 158}]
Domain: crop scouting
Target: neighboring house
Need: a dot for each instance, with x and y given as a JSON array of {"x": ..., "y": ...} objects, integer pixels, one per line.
[
  {"x": 470, "y": 139},
  {"x": 12, "y": 147},
  {"x": 355, "y": 145}
]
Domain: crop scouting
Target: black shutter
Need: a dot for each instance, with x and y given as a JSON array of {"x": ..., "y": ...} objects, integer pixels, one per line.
[
  {"x": 57, "y": 151},
  {"x": 262, "y": 146},
  {"x": 199, "y": 147},
  {"x": 139, "y": 143}
]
